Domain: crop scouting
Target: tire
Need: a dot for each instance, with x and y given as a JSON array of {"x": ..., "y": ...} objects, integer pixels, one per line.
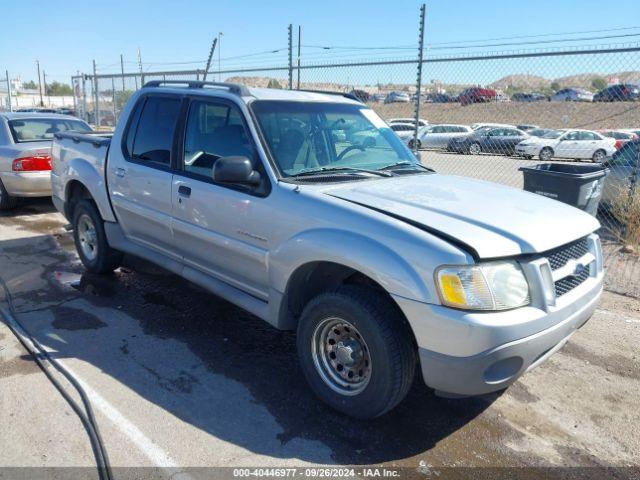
[
  {"x": 546, "y": 154},
  {"x": 528, "y": 157},
  {"x": 7, "y": 202},
  {"x": 474, "y": 149},
  {"x": 375, "y": 333},
  {"x": 91, "y": 241},
  {"x": 599, "y": 156}
]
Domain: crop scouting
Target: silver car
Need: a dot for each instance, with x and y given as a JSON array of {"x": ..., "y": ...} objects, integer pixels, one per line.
[
  {"x": 381, "y": 265},
  {"x": 25, "y": 153},
  {"x": 623, "y": 166},
  {"x": 439, "y": 136}
]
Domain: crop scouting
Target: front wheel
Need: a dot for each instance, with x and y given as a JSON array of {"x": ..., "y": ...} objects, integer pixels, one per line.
[
  {"x": 598, "y": 156},
  {"x": 356, "y": 352},
  {"x": 91, "y": 241},
  {"x": 475, "y": 149}
]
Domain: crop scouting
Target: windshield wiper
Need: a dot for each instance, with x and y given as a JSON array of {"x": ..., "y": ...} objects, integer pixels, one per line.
[
  {"x": 321, "y": 170},
  {"x": 406, "y": 163}
]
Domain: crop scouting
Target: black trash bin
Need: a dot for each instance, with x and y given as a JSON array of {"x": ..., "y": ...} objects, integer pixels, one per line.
[{"x": 577, "y": 185}]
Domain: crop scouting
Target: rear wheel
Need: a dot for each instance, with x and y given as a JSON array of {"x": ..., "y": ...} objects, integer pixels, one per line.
[
  {"x": 475, "y": 149},
  {"x": 356, "y": 351},
  {"x": 598, "y": 156},
  {"x": 91, "y": 241},
  {"x": 7, "y": 202},
  {"x": 546, "y": 154}
]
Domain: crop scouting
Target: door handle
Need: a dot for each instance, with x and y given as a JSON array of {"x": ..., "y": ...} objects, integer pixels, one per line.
[
  {"x": 184, "y": 191},
  {"x": 120, "y": 172}
]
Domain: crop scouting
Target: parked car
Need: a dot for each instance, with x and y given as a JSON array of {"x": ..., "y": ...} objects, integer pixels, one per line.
[
  {"x": 540, "y": 132},
  {"x": 572, "y": 95},
  {"x": 632, "y": 130},
  {"x": 620, "y": 136},
  {"x": 574, "y": 144},
  {"x": 66, "y": 111},
  {"x": 499, "y": 140},
  {"x": 25, "y": 153},
  {"x": 477, "y": 95},
  {"x": 626, "y": 92},
  {"x": 528, "y": 97},
  {"x": 378, "y": 97},
  {"x": 421, "y": 121},
  {"x": 382, "y": 266},
  {"x": 403, "y": 130},
  {"x": 438, "y": 136},
  {"x": 526, "y": 127},
  {"x": 397, "y": 97},
  {"x": 622, "y": 167},
  {"x": 439, "y": 98},
  {"x": 361, "y": 95}
]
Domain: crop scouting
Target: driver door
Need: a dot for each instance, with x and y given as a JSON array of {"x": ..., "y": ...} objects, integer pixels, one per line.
[{"x": 569, "y": 146}]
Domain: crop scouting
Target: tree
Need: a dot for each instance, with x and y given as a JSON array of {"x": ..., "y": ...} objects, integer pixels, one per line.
[
  {"x": 273, "y": 83},
  {"x": 30, "y": 85},
  {"x": 598, "y": 83},
  {"x": 555, "y": 86},
  {"x": 58, "y": 89}
]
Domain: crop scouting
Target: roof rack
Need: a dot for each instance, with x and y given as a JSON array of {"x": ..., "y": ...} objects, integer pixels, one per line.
[
  {"x": 329, "y": 92},
  {"x": 231, "y": 87}
]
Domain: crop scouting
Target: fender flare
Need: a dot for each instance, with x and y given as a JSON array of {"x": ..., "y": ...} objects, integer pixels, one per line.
[{"x": 86, "y": 174}]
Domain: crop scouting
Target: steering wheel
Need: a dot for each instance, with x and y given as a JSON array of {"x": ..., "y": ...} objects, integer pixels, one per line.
[{"x": 349, "y": 149}]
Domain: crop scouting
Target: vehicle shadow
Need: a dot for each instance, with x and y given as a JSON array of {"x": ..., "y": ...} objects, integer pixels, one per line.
[
  {"x": 30, "y": 206},
  {"x": 194, "y": 354}
]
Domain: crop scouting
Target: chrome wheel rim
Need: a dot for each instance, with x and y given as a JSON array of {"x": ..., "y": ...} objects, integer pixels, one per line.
[
  {"x": 546, "y": 154},
  {"x": 474, "y": 149},
  {"x": 341, "y": 356},
  {"x": 598, "y": 156},
  {"x": 88, "y": 237}
]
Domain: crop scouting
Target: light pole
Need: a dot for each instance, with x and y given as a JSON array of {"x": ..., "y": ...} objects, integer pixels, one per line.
[
  {"x": 219, "y": 38},
  {"x": 39, "y": 83}
]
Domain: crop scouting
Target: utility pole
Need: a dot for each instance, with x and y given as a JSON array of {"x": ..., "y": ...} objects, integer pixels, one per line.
[
  {"x": 122, "y": 73},
  {"x": 9, "y": 90},
  {"x": 140, "y": 67},
  {"x": 219, "y": 50},
  {"x": 299, "y": 51},
  {"x": 419, "y": 80},
  {"x": 44, "y": 83},
  {"x": 290, "y": 57},
  {"x": 39, "y": 83},
  {"x": 96, "y": 95},
  {"x": 74, "y": 84},
  {"x": 113, "y": 100},
  {"x": 213, "y": 49},
  {"x": 84, "y": 98}
]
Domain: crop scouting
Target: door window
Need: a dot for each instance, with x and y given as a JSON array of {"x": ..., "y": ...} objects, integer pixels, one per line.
[
  {"x": 154, "y": 133},
  {"x": 572, "y": 136},
  {"x": 588, "y": 136},
  {"x": 213, "y": 131}
]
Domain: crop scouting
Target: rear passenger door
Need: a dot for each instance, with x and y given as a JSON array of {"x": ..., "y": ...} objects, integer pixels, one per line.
[
  {"x": 140, "y": 176},
  {"x": 220, "y": 230}
]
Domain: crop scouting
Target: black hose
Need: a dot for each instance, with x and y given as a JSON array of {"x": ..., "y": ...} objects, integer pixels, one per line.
[{"x": 88, "y": 419}]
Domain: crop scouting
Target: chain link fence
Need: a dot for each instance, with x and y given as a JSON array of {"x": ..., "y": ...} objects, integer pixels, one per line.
[{"x": 483, "y": 116}]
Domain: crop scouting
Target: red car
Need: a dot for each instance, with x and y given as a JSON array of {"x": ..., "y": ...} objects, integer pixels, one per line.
[
  {"x": 477, "y": 95},
  {"x": 620, "y": 137}
]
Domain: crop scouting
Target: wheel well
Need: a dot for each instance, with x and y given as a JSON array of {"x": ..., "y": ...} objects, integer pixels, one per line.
[
  {"x": 314, "y": 278},
  {"x": 76, "y": 191}
]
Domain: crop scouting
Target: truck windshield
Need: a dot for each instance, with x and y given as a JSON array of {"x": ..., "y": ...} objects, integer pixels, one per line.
[
  {"x": 311, "y": 136},
  {"x": 43, "y": 129}
]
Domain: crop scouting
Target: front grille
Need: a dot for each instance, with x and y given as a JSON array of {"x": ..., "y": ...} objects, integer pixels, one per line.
[
  {"x": 558, "y": 258},
  {"x": 567, "y": 284}
]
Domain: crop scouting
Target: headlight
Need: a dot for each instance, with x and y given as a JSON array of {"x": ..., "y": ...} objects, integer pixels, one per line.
[{"x": 487, "y": 286}]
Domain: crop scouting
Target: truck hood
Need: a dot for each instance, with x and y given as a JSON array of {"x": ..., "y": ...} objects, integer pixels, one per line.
[{"x": 492, "y": 220}]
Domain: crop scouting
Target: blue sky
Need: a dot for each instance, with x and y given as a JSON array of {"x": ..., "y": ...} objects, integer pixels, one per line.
[{"x": 67, "y": 36}]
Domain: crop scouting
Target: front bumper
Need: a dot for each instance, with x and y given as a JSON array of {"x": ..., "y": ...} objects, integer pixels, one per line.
[
  {"x": 523, "y": 151},
  {"x": 27, "y": 184},
  {"x": 472, "y": 353}
]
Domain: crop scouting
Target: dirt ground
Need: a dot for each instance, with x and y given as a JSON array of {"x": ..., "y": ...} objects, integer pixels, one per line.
[
  {"x": 545, "y": 114},
  {"x": 182, "y": 379}
]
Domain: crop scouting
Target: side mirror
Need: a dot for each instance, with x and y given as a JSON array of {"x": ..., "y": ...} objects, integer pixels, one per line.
[{"x": 235, "y": 170}]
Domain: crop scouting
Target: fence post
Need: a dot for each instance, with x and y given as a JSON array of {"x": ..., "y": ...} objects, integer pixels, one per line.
[
  {"x": 84, "y": 98},
  {"x": 299, "y": 51},
  {"x": 419, "y": 79},
  {"x": 290, "y": 57},
  {"x": 96, "y": 96},
  {"x": 74, "y": 84},
  {"x": 122, "y": 73},
  {"x": 9, "y": 90},
  {"x": 113, "y": 100}
]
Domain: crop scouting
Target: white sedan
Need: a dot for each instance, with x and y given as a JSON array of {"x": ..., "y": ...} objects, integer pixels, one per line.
[
  {"x": 438, "y": 136},
  {"x": 574, "y": 144},
  {"x": 404, "y": 130}
]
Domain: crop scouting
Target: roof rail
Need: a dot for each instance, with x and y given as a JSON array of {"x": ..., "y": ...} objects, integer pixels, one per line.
[
  {"x": 231, "y": 87},
  {"x": 329, "y": 92}
]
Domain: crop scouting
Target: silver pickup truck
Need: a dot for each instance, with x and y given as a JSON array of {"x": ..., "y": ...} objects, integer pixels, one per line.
[{"x": 307, "y": 210}]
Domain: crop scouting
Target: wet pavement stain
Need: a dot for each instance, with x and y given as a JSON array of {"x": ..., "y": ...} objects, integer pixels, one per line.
[
  {"x": 521, "y": 393},
  {"x": 615, "y": 364},
  {"x": 20, "y": 366},
  {"x": 69, "y": 318}
]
